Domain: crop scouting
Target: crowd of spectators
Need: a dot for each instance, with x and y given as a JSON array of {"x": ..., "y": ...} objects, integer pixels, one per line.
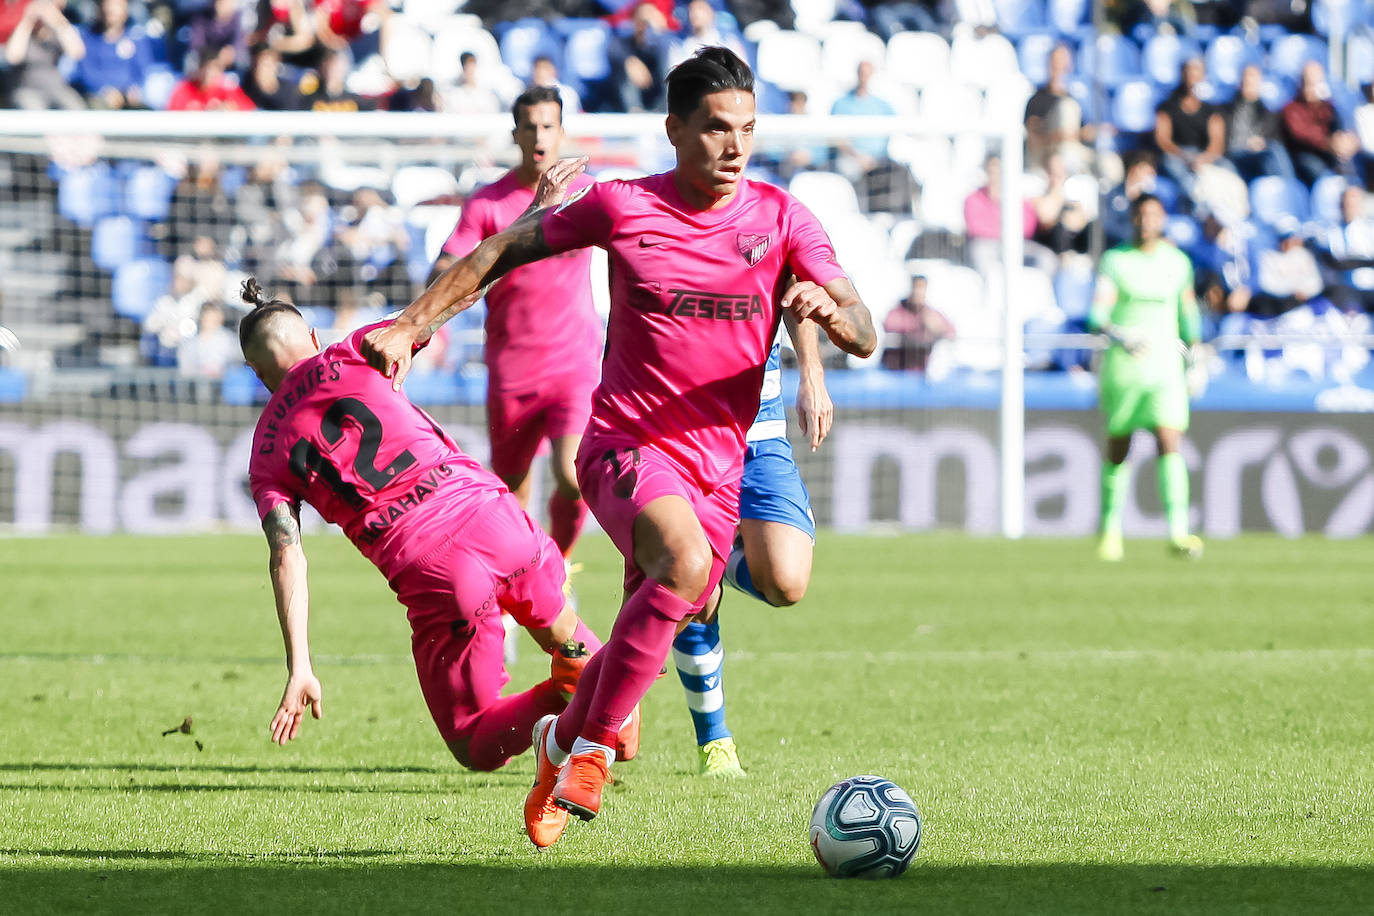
[{"x": 1265, "y": 177}]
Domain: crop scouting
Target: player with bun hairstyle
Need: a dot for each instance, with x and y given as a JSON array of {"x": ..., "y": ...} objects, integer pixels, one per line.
[
  {"x": 704, "y": 263},
  {"x": 450, "y": 538}
]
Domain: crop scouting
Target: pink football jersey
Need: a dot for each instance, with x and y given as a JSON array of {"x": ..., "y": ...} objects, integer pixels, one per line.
[
  {"x": 336, "y": 436},
  {"x": 694, "y": 307},
  {"x": 541, "y": 324}
]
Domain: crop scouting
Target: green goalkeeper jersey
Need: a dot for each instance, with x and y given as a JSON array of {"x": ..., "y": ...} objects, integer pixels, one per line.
[{"x": 1150, "y": 301}]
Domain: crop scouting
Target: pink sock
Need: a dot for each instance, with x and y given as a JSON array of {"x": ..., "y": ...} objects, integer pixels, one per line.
[
  {"x": 639, "y": 643},
  {"x": 584, "y": 635},
  {"x": 505, "y": 726},
  {"x": 565, "y": 520}
]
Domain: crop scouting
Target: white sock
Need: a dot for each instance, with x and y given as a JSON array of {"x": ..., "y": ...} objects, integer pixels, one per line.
[
  {"x": 557, "y": 756},
  {"x": 583, "y": 746}
]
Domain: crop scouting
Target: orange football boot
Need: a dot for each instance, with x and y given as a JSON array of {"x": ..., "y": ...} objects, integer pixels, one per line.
[
  {"x": 579, "y": 785},
  {"x": 544, "y": 820}
]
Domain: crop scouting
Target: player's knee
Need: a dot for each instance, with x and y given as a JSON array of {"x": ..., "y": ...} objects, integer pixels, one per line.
[
  {"x": 784, "y": 592},
  {"x": 686, "y": 571}
]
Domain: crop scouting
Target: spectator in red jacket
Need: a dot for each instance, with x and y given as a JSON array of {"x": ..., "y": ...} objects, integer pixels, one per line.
[
  {"x": 208, "y": 88},
  {"x": 1317, "y": 142}
]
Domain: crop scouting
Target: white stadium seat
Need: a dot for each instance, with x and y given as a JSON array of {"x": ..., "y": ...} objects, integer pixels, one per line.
[
  {"x": 917, "y": 59},
  {"x": 789, "y": 60}
]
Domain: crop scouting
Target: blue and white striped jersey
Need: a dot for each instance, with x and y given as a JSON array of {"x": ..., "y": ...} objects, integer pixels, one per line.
[{"x": 771, "y": 420}]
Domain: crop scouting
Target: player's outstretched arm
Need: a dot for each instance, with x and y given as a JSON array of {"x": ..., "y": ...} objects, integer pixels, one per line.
[
  {"x": 287, "y": 567},
  {"x": 389, "y": 349},
  {"x": 837, "y": 308},
  {"x": 815, "y": 412}
]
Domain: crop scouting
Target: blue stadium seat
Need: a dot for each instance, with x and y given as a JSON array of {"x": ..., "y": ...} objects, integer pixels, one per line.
[
  {"x": 138, "y": 284},
  {"x": 1066, "y": 16},
  {"x": 1326, "y": 198},
  {"x": 1336, "y": 17},
  {"x": 148, "y": 193},
  {"x": 1017, "y": 17},
  {"x": 1359, "y": 59},
  {"x": 1226, "y": 57},
  {"x": 1133, "y": 107},
  {"x": 13, "y": 386},
  {"x": 585, "y": 53},
  {"x": 241, "y": 388},
  {"x": 524, "y": 40},
  {"x": 1289, "y": 54},
  {"x": 1163, "y": 57},
  {"x": 86, "y": 194},
  {"x": 1073, "y": 290},
  {"x": 1168, "y": 192},
  {"x": 1277, "y": 91},
  {"x": 116, "y": 240},
  {"x": 1033, "y": 56},
  {"x": 1183, "y": 231},
  {"x": 1120, "y": 59},
  {"x": 1272, "y": 198}
]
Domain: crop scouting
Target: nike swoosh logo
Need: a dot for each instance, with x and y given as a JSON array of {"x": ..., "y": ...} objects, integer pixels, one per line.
[{"x": 646, "y": 242}]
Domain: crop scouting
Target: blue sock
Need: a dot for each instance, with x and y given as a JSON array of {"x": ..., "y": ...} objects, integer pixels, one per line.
[
  {"x": 699, "y": 657},
  {"x": 738, "y": 577}
]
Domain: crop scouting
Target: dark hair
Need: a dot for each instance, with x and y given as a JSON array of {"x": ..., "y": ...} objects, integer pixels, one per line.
[
  {"x": 537, "y": 95},
  {"x": 1139, "y": 203},
  {"x": 263, "y": 308},
  {"x": 465, "y": 57},
  {"x": 711, "y": 69}
]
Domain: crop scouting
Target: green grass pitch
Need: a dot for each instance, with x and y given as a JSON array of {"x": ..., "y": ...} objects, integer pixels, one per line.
[{"x": 1158, "y": 737}]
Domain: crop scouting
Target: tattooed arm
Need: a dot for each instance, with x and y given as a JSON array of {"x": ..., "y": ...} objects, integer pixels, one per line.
[
  {"x": 837, "y": 308},
  {"x": 389, "y": 349},
  {"x": 287, "y": 567}
]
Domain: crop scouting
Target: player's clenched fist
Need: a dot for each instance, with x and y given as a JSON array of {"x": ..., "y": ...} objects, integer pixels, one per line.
[{"x": 807, "y": 300}]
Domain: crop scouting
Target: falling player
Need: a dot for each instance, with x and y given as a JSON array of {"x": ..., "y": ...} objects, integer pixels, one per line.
[
  {"x": 698, "y": 256},
  {"x": 454, "y": 544},
  {"x": 539, "y": 383},
  {"x": 771, "y": 557},
  {"x": 1146, "y": 308}
]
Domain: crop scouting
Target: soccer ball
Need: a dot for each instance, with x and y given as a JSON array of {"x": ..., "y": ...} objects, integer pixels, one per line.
[{"x": 865, "y": 827}]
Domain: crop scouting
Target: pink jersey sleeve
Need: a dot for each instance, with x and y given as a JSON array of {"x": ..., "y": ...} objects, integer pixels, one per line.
[
  {"x": 586, "y": 218},
  {"x": 473, "y": 226},
  {"x": 809, "y": 253},
  {"x": 267, "y": 493}
]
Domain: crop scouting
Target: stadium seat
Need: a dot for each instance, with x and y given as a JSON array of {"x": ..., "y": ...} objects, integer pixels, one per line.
[
  {"x": 1006, "y": 100},
  {"x": 116, "y": 240},
  {"x": 1359, "y": 58},
  {"x": 524, "y": 40},
  {"x": 406, "y": 50},
  {"x": 1326, "y": 198},
  {"x": 1073, "y": 290},
  {"x": 453, "y": 39},
  {"x": 842, "y": 52},
  {"x": 86, "y": 194},
  {"x": 148, "y": 193},
  {"x": 1183, "y": 231},
  {"x": 789, "y": 60},
  {"x": 1120, "y": 59},
  {"x": 438, "y": 223},
  {"x": 982, "y": 62},
  {"x": 949, "y": 105},
  {"x": 1017, "y": 17},
  {"x": 811, "y": 16},
  {"x": 1336, "y": 17},
  {"x": 240, "y": 387},
  {"x": 586, "y": 52},
  {"x": 1272, "y": 198},
  {"x": 1226, "y": 57},
  {"x": 1163, "y": 56},
  {"x": 1133, "y": 107},
  {"x": 432, "y": 15},
  {"x": 1277, "y": 91},
  {"x": 13, "y": 386},
  {"x": 827, "y": 194},
  {"x": 1168, "y": 192},
  {"x": 1290, "y": 54},
  {"x": 1067, "y": 16},
  {"x": 916, "y": 59},
  {"x": 1033, "y": 55},
  {"x": 158, "y": 85},
  {"x": 418, "y": 184},
  {"x": 138, "y": 284}
]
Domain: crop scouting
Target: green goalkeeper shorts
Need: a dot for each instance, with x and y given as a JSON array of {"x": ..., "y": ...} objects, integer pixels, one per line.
[{"x": 1128, "y": 407}]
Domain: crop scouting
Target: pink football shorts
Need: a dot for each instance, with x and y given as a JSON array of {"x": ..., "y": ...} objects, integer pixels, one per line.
[
  {"x": 618, "y": 481},
  {"x": 499, "y": 560},
  {"x": 517, "y": 423}
]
